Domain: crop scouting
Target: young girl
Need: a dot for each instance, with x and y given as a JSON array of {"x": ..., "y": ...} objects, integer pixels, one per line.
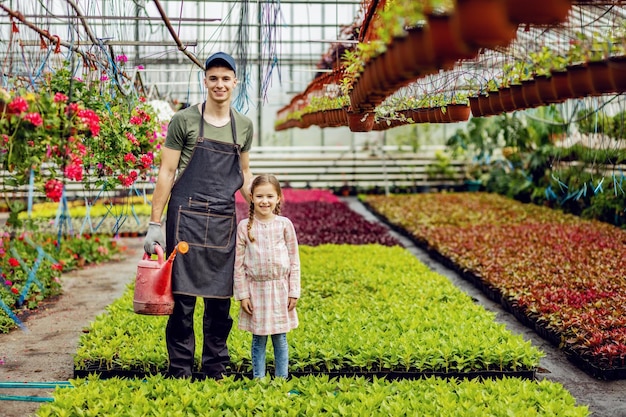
[{"x": 267, "y": 275}]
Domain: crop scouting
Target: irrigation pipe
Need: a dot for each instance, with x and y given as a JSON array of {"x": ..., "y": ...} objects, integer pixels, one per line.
[
  {"x": 31, "y": 385},
  {"x": 181, "y": 47}
]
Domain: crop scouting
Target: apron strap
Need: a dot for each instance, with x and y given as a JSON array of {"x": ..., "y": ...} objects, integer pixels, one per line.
[{"x": 233, "y": 128}]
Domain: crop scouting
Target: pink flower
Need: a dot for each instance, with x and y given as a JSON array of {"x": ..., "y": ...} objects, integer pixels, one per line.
[
  {"x": 146, "y": 160},
  {"x": 91, "y": 119},
  {"x": 74, "y": 171},
  {"x": 34, "y": 118},
  {"x": 132, "y": 138},
  {"x": 54, "y": 190},
  {"x": 8, "y": 283},
  {"x": 122, "y": 59},
  {"x": 129, "y": 157},
  {"x": 18, "y": 105},
  {"x": 135, "y": 120},
  {"x": 60, "y": 98},
  {"x": 128, "y": 180},
  {"x": 104, "y": 78},
  {"x": 140, "y": 67},
  {"x": 82, "y": 149}
]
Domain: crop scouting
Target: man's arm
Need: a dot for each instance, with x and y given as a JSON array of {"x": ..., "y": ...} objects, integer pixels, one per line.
[
  {"x": 165, "y": 182},
  {"x": 247, "y": 176}
]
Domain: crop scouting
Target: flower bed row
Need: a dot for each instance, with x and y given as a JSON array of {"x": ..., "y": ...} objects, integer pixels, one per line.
[
  {"x": 31, "y": 266},
  {"x": 557, "y": 273},
  {"x": 386, "y": 314},
  {"x": 318, "y": 215},
  {"x": 370, "y": 310},
  {"x": 311, "y": 396}
]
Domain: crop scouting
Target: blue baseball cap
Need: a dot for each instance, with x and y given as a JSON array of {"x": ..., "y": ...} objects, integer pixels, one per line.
[{"x": 221, "y": 58}]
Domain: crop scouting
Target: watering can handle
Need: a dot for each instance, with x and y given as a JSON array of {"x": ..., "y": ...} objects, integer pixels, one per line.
[{"x": 159, "y": 252}]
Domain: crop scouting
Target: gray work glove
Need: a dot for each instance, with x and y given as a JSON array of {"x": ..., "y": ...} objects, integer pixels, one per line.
[{"x": 154, "y": 236}]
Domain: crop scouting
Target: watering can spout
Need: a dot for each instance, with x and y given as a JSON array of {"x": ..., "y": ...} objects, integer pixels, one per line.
[{"x": 153, "y": 283}]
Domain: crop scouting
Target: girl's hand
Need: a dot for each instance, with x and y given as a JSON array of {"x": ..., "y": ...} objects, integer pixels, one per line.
[
  {"x": 246, "y": 304},
  {"x": 292, "y": 303}
]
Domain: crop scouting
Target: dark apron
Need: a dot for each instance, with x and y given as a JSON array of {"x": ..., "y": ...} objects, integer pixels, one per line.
[{"x": 201, "y": 211}]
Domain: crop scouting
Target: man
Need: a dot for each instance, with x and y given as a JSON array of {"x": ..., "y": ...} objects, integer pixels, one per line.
[{"x": 204, "y": 162}]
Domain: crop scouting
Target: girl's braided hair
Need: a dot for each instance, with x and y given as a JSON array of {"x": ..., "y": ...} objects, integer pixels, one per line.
[{"x": 262, "y": 180}]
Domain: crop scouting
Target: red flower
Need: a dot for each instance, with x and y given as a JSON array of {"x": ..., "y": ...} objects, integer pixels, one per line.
[
  {"x": 128, "y": 180},
  {"x": 72, "y": 108},
  {"x": 60, "y": 98},
  {"x": 54, "y": 190},
  {"x": 18, "y": 105},
  {"x": 132, "y": 138},
  {"x": 74, "y": 171},
  {"x": 14, "y": 290},
  {"x": 146, "y": 160},
  {"x": 14, "y": 262},
  {"x": 129, "y": 157},
  {"x": 34, "y": 118}
]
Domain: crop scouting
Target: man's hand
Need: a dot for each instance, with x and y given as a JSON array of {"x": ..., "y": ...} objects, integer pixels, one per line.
[{"x": 153, "y": 236}]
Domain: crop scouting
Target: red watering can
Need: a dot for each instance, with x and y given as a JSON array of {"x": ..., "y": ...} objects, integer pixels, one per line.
[{"x": 153, "y": 283}]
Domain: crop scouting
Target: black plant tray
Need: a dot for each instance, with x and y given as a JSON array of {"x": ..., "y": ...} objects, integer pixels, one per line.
[
  {"x": 390, "y": 375},
  {"x": 593, "y": 369}
]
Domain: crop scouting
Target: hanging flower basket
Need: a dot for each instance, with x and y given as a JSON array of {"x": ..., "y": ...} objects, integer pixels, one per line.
[
  {"x": 335, "y": 118},
  {"x": 530, "y": 93},
  {"x": 485, "y": 23},
  {"x": 545, "y": 88},
  {"x": 617, "y": 66},
  {"x": 419, "y": 115},
  {"x": 506, "y": 99},
  {"x": 360, "y": 122},
  {"x": 457, "y": 113},
  {"x": 482, "y": 106},
  {"x": 413, "y": 54},
  {"x": 580, "y": 80},
  {"x": 447, "y": 43},
  {"x": 601, "y": 77},
  {"x": 517, "y": 96},
  {"x": 495, "y": 103},
  {"x": 561, "y": 85},
  {"x": 538, "y": 12}
]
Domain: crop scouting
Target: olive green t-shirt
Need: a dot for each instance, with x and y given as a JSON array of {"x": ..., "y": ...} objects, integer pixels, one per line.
[{"x": 184, "y": 128}]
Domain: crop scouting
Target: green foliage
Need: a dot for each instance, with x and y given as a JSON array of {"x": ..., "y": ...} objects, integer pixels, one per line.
[
  {"x": 441, "y": 168},
  {"x": 76, "y": 131},
  {"x": 312, "y": 396},
  {"x": 593, "y": 121},
  {"x": 19, "y": 255},
  {"x": 387, "y": 312}
]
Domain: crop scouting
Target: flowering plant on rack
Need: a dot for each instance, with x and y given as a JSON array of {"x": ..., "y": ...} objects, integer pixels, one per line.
[{"x": 93, "y": 138}]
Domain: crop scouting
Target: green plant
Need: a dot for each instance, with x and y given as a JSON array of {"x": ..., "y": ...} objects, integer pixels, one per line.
[
  {"x": 441, "y": 168},
  {"x": 607, "y": 206},
  {"x": 51, "y": 137},
  {"x": 593, "y": 121},
  {"x": 546, "y": 60}
]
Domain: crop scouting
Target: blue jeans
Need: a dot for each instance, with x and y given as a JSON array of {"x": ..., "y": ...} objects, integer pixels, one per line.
[{"x": 281, "y": 355}]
